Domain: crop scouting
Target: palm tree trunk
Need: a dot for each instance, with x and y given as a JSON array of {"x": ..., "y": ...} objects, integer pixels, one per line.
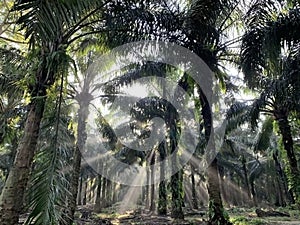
[
  {"x": 108, "y": 192},
  {"x": 253, "y": 192},
  {"x": 97, "y": 208},
  {"x": 11, "y": 199},
  {"x": 216, "y": 209},
  {"x": 115, "y": 193},
  {"x": 194, "y": 193},
  {"x": 279, "y": 180},
  {"x": 282, "y": 178},
  {"x": 84, "y": 190},
  {"x": 246, "y": 179},
  {"x": 176, "y": 181},
  {"x": 83, "y": 112},
  {"x": 79, "y": 196},
  {"x": 152, "y": 203},
  {"x": 104, "y": 181},
  {"x": 162, "y": 199},
  {"x": 177, "y": 195},
  {"x": 147, "y": 202},
  {"x": 288, "y": 144}
]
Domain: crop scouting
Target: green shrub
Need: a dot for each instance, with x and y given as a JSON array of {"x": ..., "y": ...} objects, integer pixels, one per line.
[{"x": 241, "y": 220}]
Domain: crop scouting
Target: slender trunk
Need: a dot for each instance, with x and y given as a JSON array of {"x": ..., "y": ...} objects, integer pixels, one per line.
[
  {"x": 147, "y": 204},
  {"x": 194, "y": 193},
  {"x": 12, "y": 196},
  {"x": 108, "y": 193},
  {"x": 84, "y": 100},
  {"x": 79, "y": 197},
  {"x": 143, "y": 194},
  {"x": 224, "y": 185},
  {"x": 115, "y": 192},
  {"x": 279, "y": 196},
  {"x": 98, "y": 195},
  {"x": 84, "y": 190},
  {"x": 103, "y": 205},
  {"x": 252, "y": 185},
  {"x": 240, "y": 196},
  {"x": 90, "y": 191},
  {"x": 152, "y": 171},
  {"x": 246, "y": 179},
  {"x": 162, "y": 199},
  {"x": 288, "y": 144},
  {"x": 280, "y": 180},
  {"x": 216, "y": 209}
]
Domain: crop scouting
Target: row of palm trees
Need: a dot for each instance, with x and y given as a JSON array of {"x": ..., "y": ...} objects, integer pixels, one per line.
[{"x": 56, "y": 30}]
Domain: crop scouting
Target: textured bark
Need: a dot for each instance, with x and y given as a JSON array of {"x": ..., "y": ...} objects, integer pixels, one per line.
[
  {"x": 216, "y": 209},
  {"x": 11, "y": 200},
  {"x": 162, "y": 195},
  {"x": 288, "y": 144},
  {"x": 176, "y": 178},
  {"x": 12, "y": 196},
  {"x": 162, "y": 201},
  {"x": 279, "y": 195},
  {"x": 282, "y": 178},
  {"x": 177, "y": 195}
]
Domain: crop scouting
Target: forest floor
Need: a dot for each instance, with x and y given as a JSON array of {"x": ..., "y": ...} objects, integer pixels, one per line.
[{"x": 239, "y": 216}]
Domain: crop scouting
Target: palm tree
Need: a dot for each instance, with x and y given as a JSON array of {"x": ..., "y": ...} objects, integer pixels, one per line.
[
  {"x": 270, "y": 62},
  {"x": 83, "y": 98},
  {"x": 49, "y": 187},
  {"x": 51, "y": 27},
  {"x": 12, "y": 75},
  {"x": 199, "y": 27}
]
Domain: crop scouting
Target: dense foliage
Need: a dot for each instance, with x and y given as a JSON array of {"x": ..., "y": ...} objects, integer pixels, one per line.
[{"x": 49, "y": 92}]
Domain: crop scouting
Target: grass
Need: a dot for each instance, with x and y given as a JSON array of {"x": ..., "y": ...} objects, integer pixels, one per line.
[{"x": 241, "y": 220}]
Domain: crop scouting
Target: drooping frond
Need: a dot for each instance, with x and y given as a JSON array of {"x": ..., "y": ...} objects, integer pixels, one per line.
[
  {"x": 14, "y": 69},
  {"x": 145, "y": 69},
  {"x": 264, "y": 136},
  {"x": 237, "y": 115},
  {"x": 49, "y": 186},
  {"x": 268, "y": 32},
  {"x": 56, "y": 21}
]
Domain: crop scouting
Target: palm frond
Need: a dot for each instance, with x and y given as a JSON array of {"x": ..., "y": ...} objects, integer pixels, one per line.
[
  {"x": 269, "y": 30},
  {"x": 237, "y": 115},
  {"x": 14, "y": 68},
  {"x": 132, "y": 74},
  {"x": 264, "y": 136},
  {"x": 55, "y": 22},
  {"x": 49, "y": 185}
]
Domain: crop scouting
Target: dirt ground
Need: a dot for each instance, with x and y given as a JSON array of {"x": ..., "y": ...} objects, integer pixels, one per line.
[{"x": 192, "y": 217}]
